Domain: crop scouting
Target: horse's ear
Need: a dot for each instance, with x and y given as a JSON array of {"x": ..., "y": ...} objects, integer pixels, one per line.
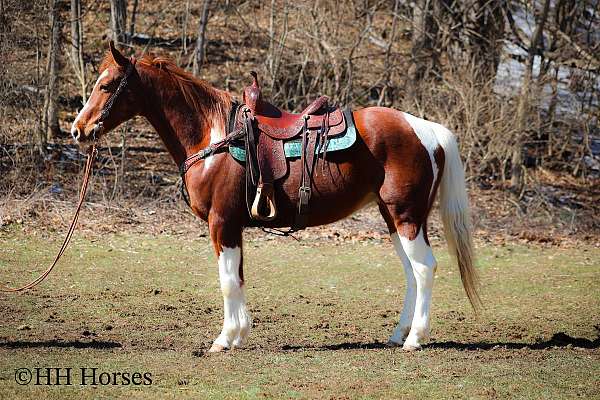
[{"x": 119, "y": 58}]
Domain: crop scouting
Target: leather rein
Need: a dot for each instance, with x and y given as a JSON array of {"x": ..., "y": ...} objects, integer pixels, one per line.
[
  {"x": 91, "y": 155},
  {"x": 92, "y": 152}
]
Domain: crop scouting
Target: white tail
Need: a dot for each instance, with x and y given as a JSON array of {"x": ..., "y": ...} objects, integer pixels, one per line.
[{"x": 454, "y": 208}]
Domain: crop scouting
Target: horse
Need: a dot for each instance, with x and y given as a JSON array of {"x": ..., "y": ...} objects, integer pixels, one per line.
[{"x": 398, "y": 161}]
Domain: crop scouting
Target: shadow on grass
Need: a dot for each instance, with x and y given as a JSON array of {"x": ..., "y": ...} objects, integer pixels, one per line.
[
  {"x": 75, "y": 344},
  {"x": 558, "y": 340},
  {"x": 339, "y": 346}
]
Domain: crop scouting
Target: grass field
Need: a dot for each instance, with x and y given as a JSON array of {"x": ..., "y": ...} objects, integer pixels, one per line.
[{"x": 127, "y": 303}]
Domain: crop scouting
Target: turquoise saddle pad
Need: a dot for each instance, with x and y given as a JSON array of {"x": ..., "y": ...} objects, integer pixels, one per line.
[{"x": 293, "y": 148}]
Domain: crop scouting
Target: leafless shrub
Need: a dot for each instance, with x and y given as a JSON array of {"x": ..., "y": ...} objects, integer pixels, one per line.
[{"x": 358, "y": 53}]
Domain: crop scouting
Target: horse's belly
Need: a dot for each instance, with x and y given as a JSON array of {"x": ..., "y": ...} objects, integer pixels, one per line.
[{"x": 344, "y": 183}]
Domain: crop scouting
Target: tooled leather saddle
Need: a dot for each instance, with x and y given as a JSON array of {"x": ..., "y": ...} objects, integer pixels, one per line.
[
  {"x": 265, "y": 137},
  {"x": 267, "y": 129}
]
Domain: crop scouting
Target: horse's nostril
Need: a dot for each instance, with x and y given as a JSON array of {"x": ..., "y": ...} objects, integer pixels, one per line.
[{"x": 76, "y": 133}]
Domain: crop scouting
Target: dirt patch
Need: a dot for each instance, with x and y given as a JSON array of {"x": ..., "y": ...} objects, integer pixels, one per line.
[{"x": 321, "y": 316}]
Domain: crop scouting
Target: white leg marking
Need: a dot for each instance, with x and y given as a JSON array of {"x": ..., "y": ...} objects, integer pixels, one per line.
[
  {"x": 87, "y": 103},
  {"x": 423, "y": 265},
  {"x": 236, "y": 322},
  {"x": 401, "y": 331},
  {"x": 425, "y": 131},
  {"x": 216, "y": 134}
]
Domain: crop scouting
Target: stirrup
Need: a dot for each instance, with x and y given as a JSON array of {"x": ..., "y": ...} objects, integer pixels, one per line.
[{"x": 264, "y": 192}]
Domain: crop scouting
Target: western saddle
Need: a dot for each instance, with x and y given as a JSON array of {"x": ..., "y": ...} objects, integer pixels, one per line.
[
  {"x": 265, "y": 131},
  {"x": 267, "y": 128}
]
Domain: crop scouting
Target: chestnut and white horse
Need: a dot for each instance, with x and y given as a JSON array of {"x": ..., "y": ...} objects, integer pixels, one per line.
[{"x": 398, "y": 161}]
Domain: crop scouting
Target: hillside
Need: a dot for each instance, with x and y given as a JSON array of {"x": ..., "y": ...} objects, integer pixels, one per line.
[{"x": 358, "y": 54}]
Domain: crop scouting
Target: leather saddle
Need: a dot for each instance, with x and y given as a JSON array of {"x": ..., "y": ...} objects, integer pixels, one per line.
[{"x": 267, "y": 129}]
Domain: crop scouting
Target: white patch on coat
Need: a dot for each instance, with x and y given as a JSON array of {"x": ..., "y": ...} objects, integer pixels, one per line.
[
  {"x": 87, "y": 103},
  {"x": 216, "y": 133},
  {"x": 425, "y": 131},
  {"x": 423, "y": 266},
  {"x": 403, "y": 328},
  {"x": 236, "y": 321}
]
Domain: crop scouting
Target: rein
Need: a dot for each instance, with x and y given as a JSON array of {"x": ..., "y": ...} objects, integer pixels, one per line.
[{"x": 91, "y": 156}]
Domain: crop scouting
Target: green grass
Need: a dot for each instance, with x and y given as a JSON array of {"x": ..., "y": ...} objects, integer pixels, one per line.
[{"x": 321, "y": 313}]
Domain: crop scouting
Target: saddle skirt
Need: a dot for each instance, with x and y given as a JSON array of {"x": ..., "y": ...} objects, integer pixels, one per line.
[
  {"x": 293, "y": 147},
  {"x": 275, "y": 144},
  {"x": 272, "y": 136}
]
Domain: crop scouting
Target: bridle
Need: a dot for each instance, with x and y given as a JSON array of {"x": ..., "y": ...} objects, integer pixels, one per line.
[
  {"x": 99, "y": 128},
  {"x": 91, "y": 156}
]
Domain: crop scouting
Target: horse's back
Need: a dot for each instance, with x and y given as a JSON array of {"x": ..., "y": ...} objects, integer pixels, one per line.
[{"x": 387, "y": 151}]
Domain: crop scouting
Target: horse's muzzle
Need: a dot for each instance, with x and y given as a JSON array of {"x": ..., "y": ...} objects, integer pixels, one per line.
[{"x": 80, "y": 135}]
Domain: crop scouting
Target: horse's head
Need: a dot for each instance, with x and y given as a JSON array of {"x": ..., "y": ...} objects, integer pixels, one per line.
[{"x": 115, "y": 98}]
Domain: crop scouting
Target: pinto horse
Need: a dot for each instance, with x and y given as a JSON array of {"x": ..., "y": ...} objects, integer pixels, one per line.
[{"x": 398, "y": 161}]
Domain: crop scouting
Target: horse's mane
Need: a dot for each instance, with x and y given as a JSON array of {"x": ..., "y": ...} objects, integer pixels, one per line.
[{"x": 198, "y": 94}]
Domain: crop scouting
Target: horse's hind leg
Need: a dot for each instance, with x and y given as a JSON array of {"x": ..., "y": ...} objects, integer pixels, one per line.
[
  {"x": 403, "y": 328},
  {"x": 410, "y": 298},
  {"x": 423, "y": 265},
  {"x": 419, "y": 266}
]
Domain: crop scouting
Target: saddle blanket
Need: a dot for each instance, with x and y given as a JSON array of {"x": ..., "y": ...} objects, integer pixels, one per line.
[{"x": 293, "y": 148}]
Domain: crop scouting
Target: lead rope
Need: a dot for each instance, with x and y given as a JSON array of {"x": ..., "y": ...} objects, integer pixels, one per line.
[{"x": 91, "y": 156}]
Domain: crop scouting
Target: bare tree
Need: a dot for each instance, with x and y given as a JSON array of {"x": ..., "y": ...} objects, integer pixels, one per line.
[
  {"x": 132, "y": 19},
  {"x": 516, "y": 179},
  {"x": 51, "y": 126},
  {"x": 76, "y": 53},
  {"x": 199, "y": 52},
  {"x": 424, "y": 35},
  {"x": 486, "y": 32},
  {"x": 387, "y": 68},
  {"x": 118, "y": 20}
]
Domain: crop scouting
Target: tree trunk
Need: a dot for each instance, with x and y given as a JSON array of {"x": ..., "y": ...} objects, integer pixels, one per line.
[
  {"x": 488, "y": 28},
  {"x": 51, "y": 125},
  {"x": 39, "y": 136},
  {"x": 184, "y": 26},
  {"x": 77, "y": 47},
  {"x": 201, "y": 42},
  {"x": 132, "y": 19},
  {"x": 387, "y": 68},
  {"x": 2, "y": 16},
  {"x": 516, "y": 179},
  {"x": 424, "y": 35},
  {"x": 118, "y": 20}
]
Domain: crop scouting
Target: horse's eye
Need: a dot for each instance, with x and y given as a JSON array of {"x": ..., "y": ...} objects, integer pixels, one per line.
[{"x": 109, "y": 87}]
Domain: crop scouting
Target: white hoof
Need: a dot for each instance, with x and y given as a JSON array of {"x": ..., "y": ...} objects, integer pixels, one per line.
[
  {"x": 216, "y": 348},
  {"x": 411, "y": 346}
]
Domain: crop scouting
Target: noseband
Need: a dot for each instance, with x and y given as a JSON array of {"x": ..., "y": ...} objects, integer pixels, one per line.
[{"x": 99, "y": 128}]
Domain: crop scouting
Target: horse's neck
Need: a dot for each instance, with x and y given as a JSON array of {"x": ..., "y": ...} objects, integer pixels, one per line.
[{"x": 184, "y": 131}]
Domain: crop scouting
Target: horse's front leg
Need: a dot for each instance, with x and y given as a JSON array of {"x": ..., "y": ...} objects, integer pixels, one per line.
[{"x": 236, "y": 321}]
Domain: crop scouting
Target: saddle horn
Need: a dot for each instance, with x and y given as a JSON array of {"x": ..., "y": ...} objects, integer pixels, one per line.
[{"x": 252, "y": 96}]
